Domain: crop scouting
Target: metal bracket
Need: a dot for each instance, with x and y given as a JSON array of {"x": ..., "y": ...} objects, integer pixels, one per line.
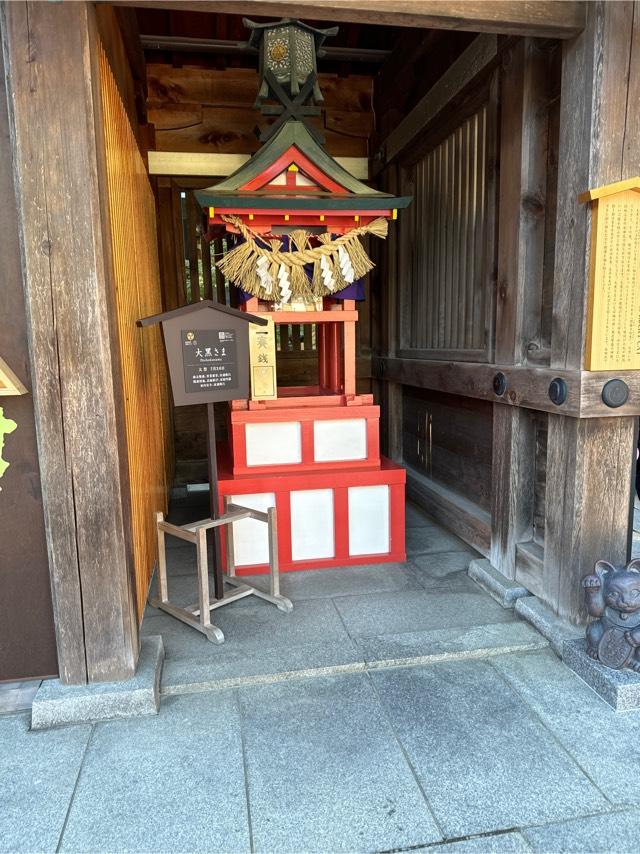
[{"x": 292, "y": 108}]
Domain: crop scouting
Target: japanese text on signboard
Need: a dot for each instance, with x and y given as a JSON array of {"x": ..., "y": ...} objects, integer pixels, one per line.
[{"x": 209, "y": 358}]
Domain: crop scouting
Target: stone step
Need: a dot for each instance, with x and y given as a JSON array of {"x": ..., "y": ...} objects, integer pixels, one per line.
[{"x": 410, "y": 649}]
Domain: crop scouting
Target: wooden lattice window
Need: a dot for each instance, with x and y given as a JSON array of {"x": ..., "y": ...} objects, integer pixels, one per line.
[{"x": 447, "y": 244}]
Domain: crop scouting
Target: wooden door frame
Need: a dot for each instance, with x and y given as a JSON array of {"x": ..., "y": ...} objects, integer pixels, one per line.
[
  {"x": 541, "y": 18},
  {"x": 59, "y": 176}
]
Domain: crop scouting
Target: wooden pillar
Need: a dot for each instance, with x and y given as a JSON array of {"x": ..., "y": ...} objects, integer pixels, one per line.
[
  {"x": 392, "y": 394},
  {"x": 323, "y": 364},
  {"x": 59, "y": 170},
  {"x": 590, "y": 461},
  {"x": 520, "y": 267},
  {"x": 334, "y": 355}
]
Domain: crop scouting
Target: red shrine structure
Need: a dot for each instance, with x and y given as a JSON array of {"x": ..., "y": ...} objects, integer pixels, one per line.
[{"x": 311, "y": 451}]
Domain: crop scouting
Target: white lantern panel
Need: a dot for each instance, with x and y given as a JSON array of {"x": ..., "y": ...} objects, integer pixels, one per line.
[
  {"x": 343, "y": 439},
  {"x": 369, "y": 520},
  {"x": 312, "y": 524},
  {"x": 274, "y": 444},
  {"x": 251, "y": 537}
]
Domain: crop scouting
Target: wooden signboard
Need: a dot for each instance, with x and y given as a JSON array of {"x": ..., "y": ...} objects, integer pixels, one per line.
[
  {"x": 262, "y": 353},
  {"x": 207, "y": 347},
  {"x": 613, "y": 334}
]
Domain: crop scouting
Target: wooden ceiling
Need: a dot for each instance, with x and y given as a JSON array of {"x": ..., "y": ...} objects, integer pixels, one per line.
[{"x": 358, "y": 48}]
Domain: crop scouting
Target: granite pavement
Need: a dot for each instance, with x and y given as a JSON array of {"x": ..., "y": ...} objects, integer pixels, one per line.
[{"x": 398, "y": 708}]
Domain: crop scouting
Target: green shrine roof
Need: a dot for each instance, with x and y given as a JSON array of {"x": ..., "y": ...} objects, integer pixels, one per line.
[{"x": 291, "y": 139}]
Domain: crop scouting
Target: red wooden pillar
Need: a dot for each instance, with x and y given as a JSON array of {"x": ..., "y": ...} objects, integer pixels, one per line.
[
  {"x": 349, "y": 350},
  {"x": 334, "y": 356}
]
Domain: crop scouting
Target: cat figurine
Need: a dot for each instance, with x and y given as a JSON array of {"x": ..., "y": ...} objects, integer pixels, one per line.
[{"x": 613, "y": 596}]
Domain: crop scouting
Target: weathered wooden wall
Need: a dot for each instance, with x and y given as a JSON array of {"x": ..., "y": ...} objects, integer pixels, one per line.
[
  {"x": 211, "y": 110},
  {"x": 445, "y": 238},
  {"x": 27, "y": 637},
  {"x": 559, "y": 123},
  {"x": 51, "y": 61},
  {"x": 137, "y": 288}
]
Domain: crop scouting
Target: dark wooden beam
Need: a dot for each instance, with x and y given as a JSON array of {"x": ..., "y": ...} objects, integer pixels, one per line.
[
  {"x": 128, "y": 24},
  {"x": 389, "y": 298},
  {"x": 476, "y": 60},
  {"x": 50, "y": 56},
  {"x": 532, "y": 18},
  {"x": 527, "y": 387}
]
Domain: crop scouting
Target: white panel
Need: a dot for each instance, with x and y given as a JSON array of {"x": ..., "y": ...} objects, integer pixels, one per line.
[
  {"x": 312, "y": 524},
  {"x": 250, "y": 537},
  {"x": 344, "y": 439},
  {"x": 274, "y": 444},
  {"x": 369, "y": 520}
]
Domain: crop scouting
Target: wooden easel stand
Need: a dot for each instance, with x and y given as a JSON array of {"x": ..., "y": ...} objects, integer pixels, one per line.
[{"x": 198, "y": 615}]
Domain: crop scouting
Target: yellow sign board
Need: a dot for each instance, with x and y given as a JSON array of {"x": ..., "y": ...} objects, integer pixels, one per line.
[
  {"x": 613, "y": 333},
  {"x": 262, "y": 356}
]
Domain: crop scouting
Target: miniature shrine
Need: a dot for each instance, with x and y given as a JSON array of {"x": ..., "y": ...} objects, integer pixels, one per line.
[{"x": 297, "y": 217}]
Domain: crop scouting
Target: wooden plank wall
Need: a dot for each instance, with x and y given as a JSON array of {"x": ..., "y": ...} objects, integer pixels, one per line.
[
  {"x": 560, "y": 479},
  {"x": 27, "y": 634},
  {"x": 455, "y": 298},
  {"x": 211, "y": 110},
  {"x": 58, "y": 156},
  {"x": 137, "y": 282},
  {"x": 445, "y": 255},
  {"x": 448, "y": 439}
]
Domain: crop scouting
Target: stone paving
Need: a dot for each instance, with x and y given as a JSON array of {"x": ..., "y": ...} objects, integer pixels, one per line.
[{"x": 398, "y": 708}]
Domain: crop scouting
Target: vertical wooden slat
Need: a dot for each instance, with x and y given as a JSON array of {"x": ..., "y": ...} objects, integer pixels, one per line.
[
  {"x": 446, "y": 282},
  {"x": 473, "y": 225},
  {"x": 138, "y": 294},
  {"x": 464, "y": 229},
  {"x": 205, "y": 253},
  {"x": 482, "y": 251},
  {"x": 193, "y": 220},
  {"x": 430, "y": 244},
  {"x": 220, "y": 289},
  {"x": 179, "y": 248}
]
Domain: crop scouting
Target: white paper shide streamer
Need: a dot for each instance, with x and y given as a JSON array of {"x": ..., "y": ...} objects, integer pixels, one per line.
[
  {"x": 262, "y": 269},
  {"x": 327, "y": 274},
  {"x": 346, "y": 267},
  {"x": 284, "y": 283}
]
